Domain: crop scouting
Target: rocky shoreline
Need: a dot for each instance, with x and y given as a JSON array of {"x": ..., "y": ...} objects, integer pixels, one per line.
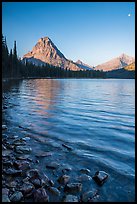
[{"x": 22, "y": 181}]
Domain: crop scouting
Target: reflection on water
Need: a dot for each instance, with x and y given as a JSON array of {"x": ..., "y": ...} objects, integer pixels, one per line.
[
  {"x": 94, "y": 116},
  {"x": 41, "y": 96}
]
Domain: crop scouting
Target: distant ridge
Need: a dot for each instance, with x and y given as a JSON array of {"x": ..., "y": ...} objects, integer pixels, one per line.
[
  {"x": 83, "y": 65},
  {"x": 116, "y": 63}
]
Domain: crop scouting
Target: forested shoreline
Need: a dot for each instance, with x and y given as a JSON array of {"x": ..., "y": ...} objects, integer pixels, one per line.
[{"x": 14, "y": 68}]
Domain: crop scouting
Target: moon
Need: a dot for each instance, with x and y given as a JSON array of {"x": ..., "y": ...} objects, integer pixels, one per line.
[{"x": 129, "y": 14}]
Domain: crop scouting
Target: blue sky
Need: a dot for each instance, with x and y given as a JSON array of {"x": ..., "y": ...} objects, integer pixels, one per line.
[{"x": 93, "y": 32}]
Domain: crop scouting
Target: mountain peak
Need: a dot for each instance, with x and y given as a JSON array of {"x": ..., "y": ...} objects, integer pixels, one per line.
[
  {"x": 83, "y": 65},
  {"x": 79, "y": 62},
  {"x": 46, "y": 52},
  {"x": 126, "y": 58},
  {"x": 123, "y": 55},
  {"x": 44, "y": 39}
]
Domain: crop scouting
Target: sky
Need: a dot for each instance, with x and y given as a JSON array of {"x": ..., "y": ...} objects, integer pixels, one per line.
[{"x": 92, "y": 32}]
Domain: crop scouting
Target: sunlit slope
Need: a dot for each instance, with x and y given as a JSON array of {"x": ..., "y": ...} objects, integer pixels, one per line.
[{"x": 130, "y": 67}]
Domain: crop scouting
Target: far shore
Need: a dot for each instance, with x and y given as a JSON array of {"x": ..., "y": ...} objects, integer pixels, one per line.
[
  {"x": 19, "y": 78},
  {"x": 4, "y": 79}
]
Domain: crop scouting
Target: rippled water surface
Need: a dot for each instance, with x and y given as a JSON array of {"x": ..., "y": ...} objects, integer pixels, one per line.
[{"x": 96, "y": 117}]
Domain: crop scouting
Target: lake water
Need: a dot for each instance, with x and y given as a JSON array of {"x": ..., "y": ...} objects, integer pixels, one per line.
[{"x": 96, "y": 117}]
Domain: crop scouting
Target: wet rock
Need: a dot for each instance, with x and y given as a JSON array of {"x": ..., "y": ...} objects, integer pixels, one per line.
[
  {"x": 26, "y": 179},
  {"x": 41, "y": 182},
  {"x": 29, "y": 195},
  {"x": 23, "y": 157},
  {"x": 70, "y": 198},
  {"x": 73, "y": 187},
  {"x": 37, "y": 161},
  {"x": 100, "y": 177},
  {"x": 9, "y": 178},
  {"x": 11, "y": 157},
  {"x": 3, "y": 147},
  {"x": 44, "y": 183},
  {"x": 63, "y": 179},
  {"x": 4, "y": 127},
  {"x": 11, "y": 184},
  {"x": 25, "y": 138},
  {"x": 41, "y": 139},
  {"x": 54, "y": 191},
  {"x": 51, "y": 183},
  {"x": 3, "y": 183},
  {"x": 33, "y": 173},
  {"x": 55, "y": 172},
  {"x": 26, "y": 188},
  {"x": 10, "y": 147},
  {"x": 16, "y": 140},
  {"x": 5, "y": 191},
  {"x": 4, "y": 140},
  {"x": 18, "y": 143},
  {"x": 12, "y": 190},
  {"x": 7, "y": 163},
  {"x": 29, "y": 159},
  {"x": 5, "y": 197},
  {"x": 84, "y": 178},
  {"x": 66, "y": 168},
  {"x": 22, "y": 165},
  {"x": 40, "y": 195},
  {"x": 6, "y": 153},
  {"x": 5, "y": 159},
  {"x": 7, "y": 143},
  {"x": 36, "y": 182},
  {"x": 13, "y": 172},
  {"x": 60, "y": 188},
  {"x": 66, "y": 146},
  {"x": 13, "y": 137},
  {"x": 22, "y": 149},
  {"x": 84, "y": 171},
  {"x": 89, "y": 196},
  {"x": 43, "y": 154},
  {"x": 5, "y": 136},
  {"x": 17, "y": 196},
  {"x": 52, "y": 165}
]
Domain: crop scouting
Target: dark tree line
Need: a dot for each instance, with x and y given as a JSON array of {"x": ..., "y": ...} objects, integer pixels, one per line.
[{"x": 14, "y": 67}]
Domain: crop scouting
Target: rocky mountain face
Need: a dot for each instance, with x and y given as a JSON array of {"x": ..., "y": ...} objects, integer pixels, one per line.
[
  {"x": 84, "y": 66},
  {"x": 46, "y": 52},
  {"x": 116, "y": 63}
]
